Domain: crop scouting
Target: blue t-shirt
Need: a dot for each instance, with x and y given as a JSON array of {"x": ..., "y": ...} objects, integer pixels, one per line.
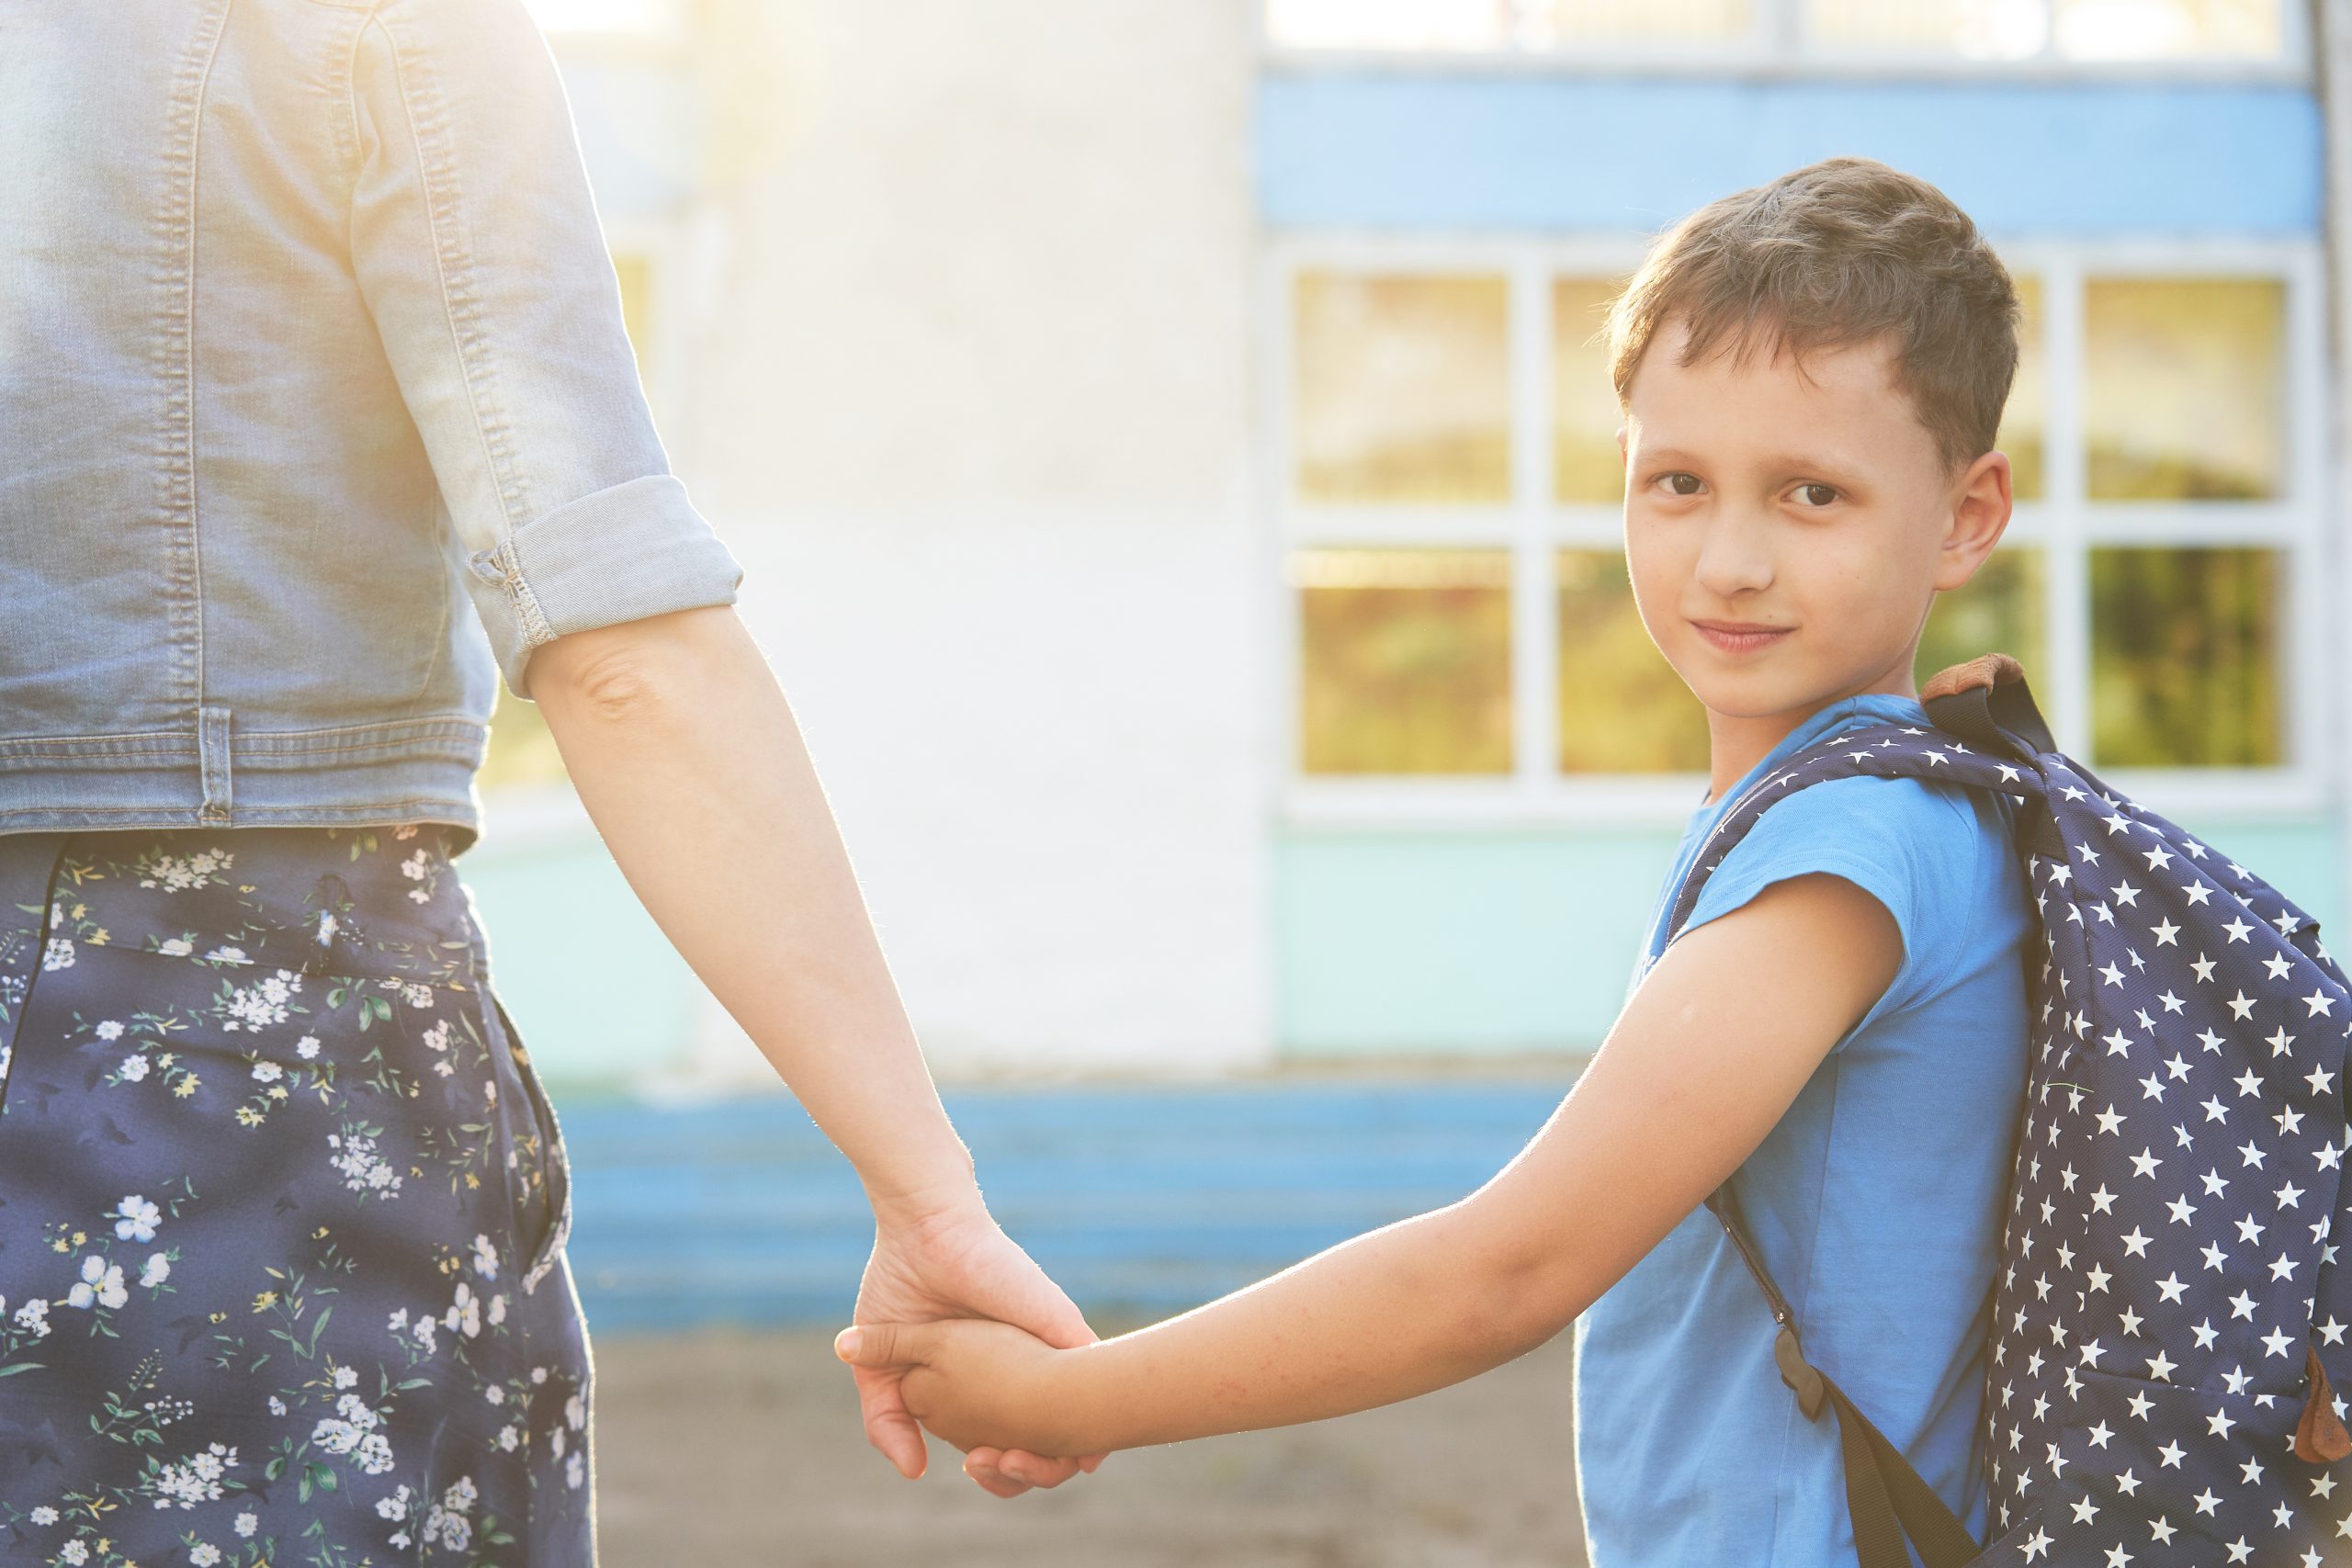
[{"x": 1875, "y": 1200}]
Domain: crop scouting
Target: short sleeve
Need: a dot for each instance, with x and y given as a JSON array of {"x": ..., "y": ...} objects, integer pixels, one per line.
[
  {"x": 476, "y": 245},
  {"x": 1913, "y": 846}
]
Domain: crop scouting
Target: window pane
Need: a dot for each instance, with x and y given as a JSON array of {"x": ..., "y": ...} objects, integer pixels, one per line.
[
  {"x": 2185, "y": 388},
  {"x": 1585, "y": 467},
  {"x": 1982, "y": 30},
  {"x": 1404, "y": 661},
  {"x": 2168, "y": 29},
  {"x": 1496, "y": 24},
  {"x": 1999, "y": 610},
  {"x": 1622, "y": 708},
  {"x": 521, "y": 749},
  {"x": 1404, "y": 389},
  {"x": 2184, "y": 658},
  {"x": 2027, "y": 415}
]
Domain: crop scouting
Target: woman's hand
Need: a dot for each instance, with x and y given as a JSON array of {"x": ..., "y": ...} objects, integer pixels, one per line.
[
  {"x": 969, "y": 1381},
  {"x": 953, "y": 1261}
]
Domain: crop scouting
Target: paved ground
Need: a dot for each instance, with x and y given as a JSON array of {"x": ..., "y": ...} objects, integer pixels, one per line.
[{"x": 742, "y": 1447}]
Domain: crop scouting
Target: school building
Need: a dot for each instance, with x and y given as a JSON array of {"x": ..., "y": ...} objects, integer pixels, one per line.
[{"x": 1175, "y": 478}]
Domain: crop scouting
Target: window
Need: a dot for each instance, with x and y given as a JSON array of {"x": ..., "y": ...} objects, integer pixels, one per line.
[
  {"x": 1460, "y": 632},
  {"x": 2175, "y": 34}
]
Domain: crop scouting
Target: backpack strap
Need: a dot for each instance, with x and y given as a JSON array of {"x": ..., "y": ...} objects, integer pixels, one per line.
[{"x": 1885, "y": 1497}]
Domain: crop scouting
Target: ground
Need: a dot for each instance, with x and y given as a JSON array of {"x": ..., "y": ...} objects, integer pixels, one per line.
[{"x": 742, "y": 1447}]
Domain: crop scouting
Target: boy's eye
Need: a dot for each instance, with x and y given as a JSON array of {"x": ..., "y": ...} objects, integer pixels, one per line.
[
  {"x": 1828, "y": 493},
  {"x": 1675, "y": 487}
]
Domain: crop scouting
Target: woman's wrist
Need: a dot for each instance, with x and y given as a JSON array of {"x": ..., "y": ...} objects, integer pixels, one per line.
[{"x": 941, "y": 1189}]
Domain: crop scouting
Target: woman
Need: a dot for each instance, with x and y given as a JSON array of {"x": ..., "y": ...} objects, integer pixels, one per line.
[{"x": 306, "y": 319}]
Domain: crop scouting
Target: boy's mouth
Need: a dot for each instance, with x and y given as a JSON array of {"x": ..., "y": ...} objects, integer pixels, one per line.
[{"x": 1741, "y": 637}]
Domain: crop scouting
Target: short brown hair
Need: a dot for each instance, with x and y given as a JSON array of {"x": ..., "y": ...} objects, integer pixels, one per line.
[{"x": 1837, "y": 253}]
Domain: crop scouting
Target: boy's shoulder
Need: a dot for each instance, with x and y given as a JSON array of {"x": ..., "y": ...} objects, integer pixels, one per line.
[{"x": 1930, "y": 853}]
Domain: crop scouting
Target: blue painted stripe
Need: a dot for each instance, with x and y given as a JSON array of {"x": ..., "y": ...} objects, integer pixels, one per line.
[
  {"x": 1143, "y": 1199},
  {"x": 1477, "y": 152}
]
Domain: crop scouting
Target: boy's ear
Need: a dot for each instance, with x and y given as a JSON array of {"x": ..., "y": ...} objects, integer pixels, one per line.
[{"x": 1621, "y": 444}]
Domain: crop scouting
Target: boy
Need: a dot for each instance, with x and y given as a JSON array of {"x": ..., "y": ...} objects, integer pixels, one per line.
[{"x": 1811, "y": 373}]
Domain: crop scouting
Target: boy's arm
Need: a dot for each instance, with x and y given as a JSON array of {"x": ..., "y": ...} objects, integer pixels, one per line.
[{"x": 1708, "y": 1053}]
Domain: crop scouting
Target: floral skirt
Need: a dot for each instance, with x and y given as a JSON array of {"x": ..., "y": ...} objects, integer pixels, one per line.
[{"x": 282, "y": 1214}]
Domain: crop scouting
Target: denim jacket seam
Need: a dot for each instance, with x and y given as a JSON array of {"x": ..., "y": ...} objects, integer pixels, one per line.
[
  {"x": 175, "y": 335},
  {"x": 423, "y": 111}
]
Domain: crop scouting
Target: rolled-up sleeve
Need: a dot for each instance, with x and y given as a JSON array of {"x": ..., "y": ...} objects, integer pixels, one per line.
[{"x": 476, "y": 245}]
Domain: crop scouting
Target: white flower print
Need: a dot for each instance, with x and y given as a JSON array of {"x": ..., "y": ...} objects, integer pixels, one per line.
[
  {"x": 538, "y": 1374},
  {"x": 508, "y": 1437},
  {"x": 157, "y": 1268},
  {"x": 414, "y": 867},
  {"x": 268, "y": 1072},
  {"x": 134, "y": 1069},
  {"x": 494, "y": 1393},
  {"x": 247, "y": 1523},
  {"x": 575, "y": 1471},
  {"x": 44, "y": 1514},
  {"x": 498, "y": 1309},
  {"x": 418, "y": 995},
  {"x": 428, "y": 1325},
  {"x": 263, "y": 1003},
  {"x": 138, "y": 1221},
  {"x": 73, "y": 1551},
  {"x": 110, "y": 1030},
  {"x": 276, "y": 1406},
  {"x": 575, "y": 1413},
  {"x": 394, "y": 1507},
  {"x": 363, "y": 1169},
  {"x": 204, "y": 1554},
  {"x": 178, "y": 874},
  {"x": 307, "y": 1047},
  {"x": 485, "y": 1257},
  {"x": 176, "y": 947},
  {"x": 227, "y": 954},
  {"x": 58, "y": 954},
  {"x": 465, "y": 1312},
  {"x": 101, "y": 1284},
  {"x": 195, "y": 1479},
  {"x": 346, "y": 1377},
  {"x": 33, "y": 1317}
]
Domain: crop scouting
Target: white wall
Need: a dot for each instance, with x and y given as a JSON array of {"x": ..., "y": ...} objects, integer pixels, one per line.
[{"x": 970, "y": 403}]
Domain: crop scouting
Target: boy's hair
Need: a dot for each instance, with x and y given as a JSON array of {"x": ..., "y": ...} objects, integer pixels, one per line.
[{"x": 1836, "y": 253}]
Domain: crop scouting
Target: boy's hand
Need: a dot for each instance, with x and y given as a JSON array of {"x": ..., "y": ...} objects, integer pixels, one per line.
[{"x": 972, "y": 1382}]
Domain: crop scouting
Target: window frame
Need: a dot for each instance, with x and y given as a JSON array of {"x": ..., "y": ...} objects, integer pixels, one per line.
[
  {"x": 1777, "y": 43},
  {"x": 1531, "y": 526}
]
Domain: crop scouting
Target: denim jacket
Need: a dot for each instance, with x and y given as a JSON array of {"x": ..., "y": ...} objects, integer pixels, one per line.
[{"x": 306, "y": 324}]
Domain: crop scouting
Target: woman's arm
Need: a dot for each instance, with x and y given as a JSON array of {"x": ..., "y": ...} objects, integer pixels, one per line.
[
  {"x": 1708, "y": 1054},
  {"x": 686, "y": 754}
]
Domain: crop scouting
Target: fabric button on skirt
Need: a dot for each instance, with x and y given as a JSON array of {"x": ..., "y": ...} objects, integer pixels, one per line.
[{"x": 282, "y": 1213}]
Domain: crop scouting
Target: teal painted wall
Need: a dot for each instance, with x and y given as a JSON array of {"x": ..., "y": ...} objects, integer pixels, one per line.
[
  {"x": 1450, "y": 940},
  {"x": 598, "y": 994},
  {"x": 1464, "y": 940}
]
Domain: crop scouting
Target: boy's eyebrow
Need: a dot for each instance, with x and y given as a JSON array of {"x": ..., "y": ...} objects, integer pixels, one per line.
[{"x": 1794, "y": 462}]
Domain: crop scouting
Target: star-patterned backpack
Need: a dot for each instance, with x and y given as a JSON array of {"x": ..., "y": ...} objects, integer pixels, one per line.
[{"x": 2170, "y": 1320}]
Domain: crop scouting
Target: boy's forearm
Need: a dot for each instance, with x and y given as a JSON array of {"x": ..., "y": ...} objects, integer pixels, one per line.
[
  {"x": 1414, "y": 1306},
  {"x": 686, "y": 754}
]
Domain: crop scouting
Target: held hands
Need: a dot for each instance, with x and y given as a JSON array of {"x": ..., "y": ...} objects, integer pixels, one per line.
[
  {"x": 982, "y": 1386},
  {"x": 953, "y": 1262}
]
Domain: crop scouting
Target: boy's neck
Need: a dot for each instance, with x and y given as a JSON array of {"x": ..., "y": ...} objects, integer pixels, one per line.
[{"x": 1736, "y": 743}]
